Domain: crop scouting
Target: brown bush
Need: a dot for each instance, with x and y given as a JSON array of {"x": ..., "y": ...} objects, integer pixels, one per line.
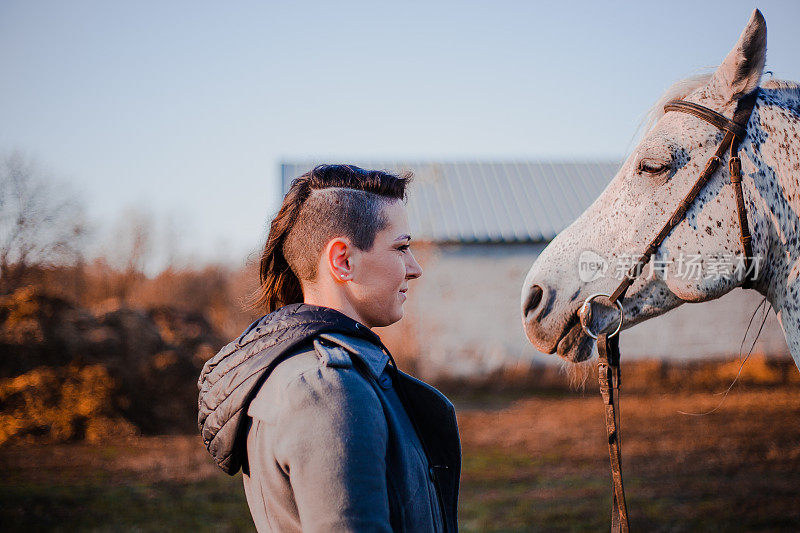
[
  {"x": 143, "y": 364},
  {"x": 60, "y": 404}
]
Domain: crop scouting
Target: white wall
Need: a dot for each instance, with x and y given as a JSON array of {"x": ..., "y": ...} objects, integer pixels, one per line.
[{"x": 465, "y": 310}]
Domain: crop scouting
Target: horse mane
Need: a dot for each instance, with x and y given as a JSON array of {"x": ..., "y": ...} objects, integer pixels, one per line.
[
  {"x": 677, "y": 91},
  {"x": 781, "y": 84}
]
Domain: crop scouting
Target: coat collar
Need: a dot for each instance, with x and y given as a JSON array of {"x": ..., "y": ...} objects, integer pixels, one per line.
[{"x": 369, "y": 353}]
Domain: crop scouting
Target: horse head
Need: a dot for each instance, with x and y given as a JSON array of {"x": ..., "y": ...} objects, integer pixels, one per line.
[{"x": 594, "y": 252}]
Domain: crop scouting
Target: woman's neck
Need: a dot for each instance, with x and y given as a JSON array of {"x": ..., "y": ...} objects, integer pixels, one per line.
[{"x": 331, "y": 297}]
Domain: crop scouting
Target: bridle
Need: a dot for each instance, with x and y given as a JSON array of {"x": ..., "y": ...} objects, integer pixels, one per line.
[{"x": 608, "y": 365}]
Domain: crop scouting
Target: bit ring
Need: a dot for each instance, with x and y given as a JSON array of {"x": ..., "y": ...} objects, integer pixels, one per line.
[{"x": 587, "y": 306}]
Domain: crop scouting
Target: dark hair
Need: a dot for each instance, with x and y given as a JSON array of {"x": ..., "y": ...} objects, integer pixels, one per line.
[{"x": 328, "y": 201}]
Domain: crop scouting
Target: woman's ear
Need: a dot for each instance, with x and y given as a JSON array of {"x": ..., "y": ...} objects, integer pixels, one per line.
[{"x": 339, "y": 258}]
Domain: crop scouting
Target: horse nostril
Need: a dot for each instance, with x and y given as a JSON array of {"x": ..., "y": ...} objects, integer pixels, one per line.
[{"x": 533, "y": 300}]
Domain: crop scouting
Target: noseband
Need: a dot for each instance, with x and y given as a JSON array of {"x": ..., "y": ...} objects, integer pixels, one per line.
[{"x": 608, "y": 343}]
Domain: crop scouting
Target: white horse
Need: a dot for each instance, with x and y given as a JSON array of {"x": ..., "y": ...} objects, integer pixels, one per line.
[{"x": 647, "y": 189}]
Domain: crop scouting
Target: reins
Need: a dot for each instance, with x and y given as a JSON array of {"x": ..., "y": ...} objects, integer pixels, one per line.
[{"x": 608, "y": 365}]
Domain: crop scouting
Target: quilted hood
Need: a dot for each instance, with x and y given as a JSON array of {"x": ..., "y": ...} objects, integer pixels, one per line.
[{"x": 231, "y": 379}]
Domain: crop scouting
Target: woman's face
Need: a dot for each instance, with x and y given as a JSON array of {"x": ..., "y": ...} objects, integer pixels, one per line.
[{"x": 380, "y": 276}]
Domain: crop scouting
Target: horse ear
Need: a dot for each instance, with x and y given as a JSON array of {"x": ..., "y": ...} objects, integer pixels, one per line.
[{"x": 741, "y": 71}]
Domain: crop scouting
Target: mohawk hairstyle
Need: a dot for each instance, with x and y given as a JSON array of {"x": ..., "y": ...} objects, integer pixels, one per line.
[{"x": 327, "y": 202}]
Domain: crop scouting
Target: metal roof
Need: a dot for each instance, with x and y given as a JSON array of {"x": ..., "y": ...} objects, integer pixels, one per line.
[{"x": 516, "y": 201}]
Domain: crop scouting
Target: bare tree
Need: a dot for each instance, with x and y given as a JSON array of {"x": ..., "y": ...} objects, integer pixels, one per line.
[
  {"x": 41, "y": 223},
  {"x": 130, "y": 249}
]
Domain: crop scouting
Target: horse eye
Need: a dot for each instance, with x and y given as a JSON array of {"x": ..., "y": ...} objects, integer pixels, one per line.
[{"x": 651, "y": 166}]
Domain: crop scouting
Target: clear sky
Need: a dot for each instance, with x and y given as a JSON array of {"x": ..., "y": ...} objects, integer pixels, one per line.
[{"x": 188, "y": 108}]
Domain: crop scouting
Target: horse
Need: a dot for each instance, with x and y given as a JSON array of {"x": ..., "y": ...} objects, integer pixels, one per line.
[{"x": 641, "y": 197}]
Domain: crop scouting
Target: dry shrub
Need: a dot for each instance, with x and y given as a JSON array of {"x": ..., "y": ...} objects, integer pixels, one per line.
[
  {"x": 215, "y": 291},
  {"x": 37, "y": 330},
  {"x": 757, "y": 370},
  {"x": 60, "y": 404},
  {"x": 219, "y": 293},
  {"x": 19, "y": 317},
  {"x": 136, "y": 365}
]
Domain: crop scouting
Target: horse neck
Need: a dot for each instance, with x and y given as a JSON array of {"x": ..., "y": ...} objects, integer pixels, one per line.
[{"x": 774, "y": 204}]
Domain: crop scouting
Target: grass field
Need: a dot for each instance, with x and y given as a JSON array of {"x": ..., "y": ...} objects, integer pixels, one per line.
[{"x": 532, "y": 462}]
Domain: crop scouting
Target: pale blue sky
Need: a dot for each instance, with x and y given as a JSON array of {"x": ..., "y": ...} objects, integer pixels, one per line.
[{"x": 189, "y": 107}]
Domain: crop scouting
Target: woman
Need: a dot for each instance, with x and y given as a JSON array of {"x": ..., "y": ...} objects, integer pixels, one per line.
[{"x": 307, "y": 401}]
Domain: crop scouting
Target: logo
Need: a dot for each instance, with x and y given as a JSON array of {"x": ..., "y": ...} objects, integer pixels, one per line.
[{"x": 591, "y": 266}]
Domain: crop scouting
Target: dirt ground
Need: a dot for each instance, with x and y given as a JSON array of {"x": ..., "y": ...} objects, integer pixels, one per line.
[
  {"x": 737, "y": 469},
  {"x": 532, "y": 462}
]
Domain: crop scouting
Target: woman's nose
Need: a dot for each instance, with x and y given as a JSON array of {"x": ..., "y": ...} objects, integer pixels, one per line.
[{"x": 413, "y": 270}]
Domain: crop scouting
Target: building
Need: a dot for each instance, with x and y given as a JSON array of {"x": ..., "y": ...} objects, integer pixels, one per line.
[{"x": 481, "y": 225}]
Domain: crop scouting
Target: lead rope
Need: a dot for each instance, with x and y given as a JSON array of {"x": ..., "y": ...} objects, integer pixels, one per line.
[
  {"x": 608, "y": 343},
  {"x": 608, "y": 374}
]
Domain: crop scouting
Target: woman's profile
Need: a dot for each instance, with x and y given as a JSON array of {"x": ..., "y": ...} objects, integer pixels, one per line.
[{"x": 308, "y": 402}]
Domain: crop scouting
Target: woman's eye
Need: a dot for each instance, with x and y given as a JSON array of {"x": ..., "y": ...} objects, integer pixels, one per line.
[
  {"x": 650, "y": 166},
  {"x": 404, "y": 247}
]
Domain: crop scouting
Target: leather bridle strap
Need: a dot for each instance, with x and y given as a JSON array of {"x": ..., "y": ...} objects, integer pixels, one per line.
[
  {"x": 608, "y": 344},
  {"x": 735, "y": 130},
  {"x": 709, "y": 115},
  {"x": 608, "y": 374}
]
